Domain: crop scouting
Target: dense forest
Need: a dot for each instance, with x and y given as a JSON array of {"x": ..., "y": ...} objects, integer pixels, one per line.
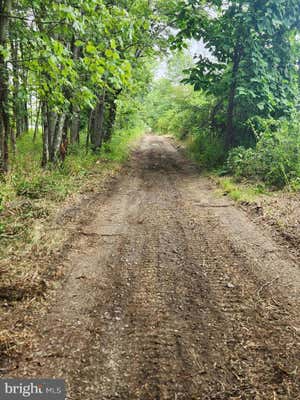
[{"x": 73, "y": 73}]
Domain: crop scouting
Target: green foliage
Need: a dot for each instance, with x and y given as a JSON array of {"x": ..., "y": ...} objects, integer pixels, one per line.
[
  {"x": 62, "y": 79},
  {"x": 69, "y": 62},
  {"x": 177, "y": 109},
  {"x": 251, "y": 69},
  {"x": 206, "y": 149},
  {"x": 251, "y": 81},
  {"x": 71, "y": 57},
  {"x": 275, "y": 159}
]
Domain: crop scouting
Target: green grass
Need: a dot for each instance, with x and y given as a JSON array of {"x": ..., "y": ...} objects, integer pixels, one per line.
[
  {"x": 27, "y": 179},
  {"x": 239, "y": 192},
  {"x": 119, "y": 148}
]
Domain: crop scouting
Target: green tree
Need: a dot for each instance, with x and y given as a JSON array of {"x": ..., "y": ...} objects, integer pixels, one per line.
[
  {"x": 252, "y": 68},
  {"x": 66, "y": 63},
  {"x": 5, "y": 9}
]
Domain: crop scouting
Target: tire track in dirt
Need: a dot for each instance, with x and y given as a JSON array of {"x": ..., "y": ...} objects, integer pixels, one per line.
[{"x": 162, "y": 302}]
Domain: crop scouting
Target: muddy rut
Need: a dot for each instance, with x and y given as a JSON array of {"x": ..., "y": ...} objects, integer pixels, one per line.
[{"x": 172, "y": 294}]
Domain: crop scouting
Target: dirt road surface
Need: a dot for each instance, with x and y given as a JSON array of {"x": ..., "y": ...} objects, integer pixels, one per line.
[{"x": 172, "y": 294}]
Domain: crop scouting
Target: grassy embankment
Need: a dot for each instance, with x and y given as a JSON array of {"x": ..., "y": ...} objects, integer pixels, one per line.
[{"x": 30, "y": 193}]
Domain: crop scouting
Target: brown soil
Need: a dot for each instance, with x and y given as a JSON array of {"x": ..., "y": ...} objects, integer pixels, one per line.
[{"x": 172, "y": 293}]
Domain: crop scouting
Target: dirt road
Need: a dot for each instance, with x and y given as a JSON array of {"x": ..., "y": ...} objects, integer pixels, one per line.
[{"x": 172, "y": 294}]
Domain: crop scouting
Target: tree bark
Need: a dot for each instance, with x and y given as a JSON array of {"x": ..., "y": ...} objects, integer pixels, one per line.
[
  {"x": 13, "y": 141},
  {"x": 75, "y": 119},
  {"x": 52, "y": 121},
  {"x": 5, "y": 8},
  {"x": 16, "y": 89},
  {"x": 24, "y": 82},
  {"x": 53, "y": 128},
  {"x": 75, "y": 127},
  {"x": 230, "y": 138},
  {"x": 45, "y": 155},
  {"x": 36, "y": 127},
  {"x": 96, "y": 132},
  {"x": 58, "y": 137},
  {"x": 111, "y": 116}
]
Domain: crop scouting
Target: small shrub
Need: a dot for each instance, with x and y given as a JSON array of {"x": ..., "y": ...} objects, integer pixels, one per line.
[
  {"x": 241, "y": 162},
  {"x": 32, "y": 189},
  {"x": 206, "y": 148},
  {"x": 275, "y": 160}
]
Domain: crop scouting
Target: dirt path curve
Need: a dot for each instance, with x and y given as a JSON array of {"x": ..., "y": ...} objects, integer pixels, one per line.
[{"x": 173, "y": 294}]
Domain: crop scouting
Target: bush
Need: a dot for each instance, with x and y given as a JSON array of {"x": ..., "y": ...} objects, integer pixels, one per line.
[
  {"x": 33, "y": 189},
  {"x": 241, "y": 162},
  {"x": 274, "y": 160},
  {"x": 206, "y": 149}
]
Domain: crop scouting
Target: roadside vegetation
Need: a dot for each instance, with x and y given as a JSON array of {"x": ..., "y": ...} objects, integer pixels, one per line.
[
  {"x": 236, "y": 106},
  {"x": 30, "y": 193},
  {"x": 72, "y": 79}
]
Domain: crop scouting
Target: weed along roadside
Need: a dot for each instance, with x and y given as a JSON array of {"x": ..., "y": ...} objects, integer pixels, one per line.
[{"x": 30, "y": 193}]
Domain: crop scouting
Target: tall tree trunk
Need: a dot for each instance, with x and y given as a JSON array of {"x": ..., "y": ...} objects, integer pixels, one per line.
[
  {"x": 52, "y": 122},
  {"x": 96, "y": 133},
  {"x": 45, "y": 119},
  {"x": 57, "y": 140},
  {"x": 230, "y": 138},
  {"x": 13, "y": 141},
  {"x": 111, "y": 117},
  {"x": 24, "y": 76},
  {"x": 75, "y": 119},
  {"x": 52, "y": 132},
  {"x": 112, "y": 112},
  {"x": 5, "y": 9},
  {"x": 26, "y": 115},
  {"x": 36, "y": 127},
  {"x": 75, "y": 127},
  {"x": 16, "y": 90}
]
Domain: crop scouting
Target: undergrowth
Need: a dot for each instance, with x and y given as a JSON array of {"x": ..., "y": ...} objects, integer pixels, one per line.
[
  {"x": 240, "y": 192},
  {"x": 266, "y": 149},
  {"x": 275, "y": 159},
  {"x": 29, "y": 190}
]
